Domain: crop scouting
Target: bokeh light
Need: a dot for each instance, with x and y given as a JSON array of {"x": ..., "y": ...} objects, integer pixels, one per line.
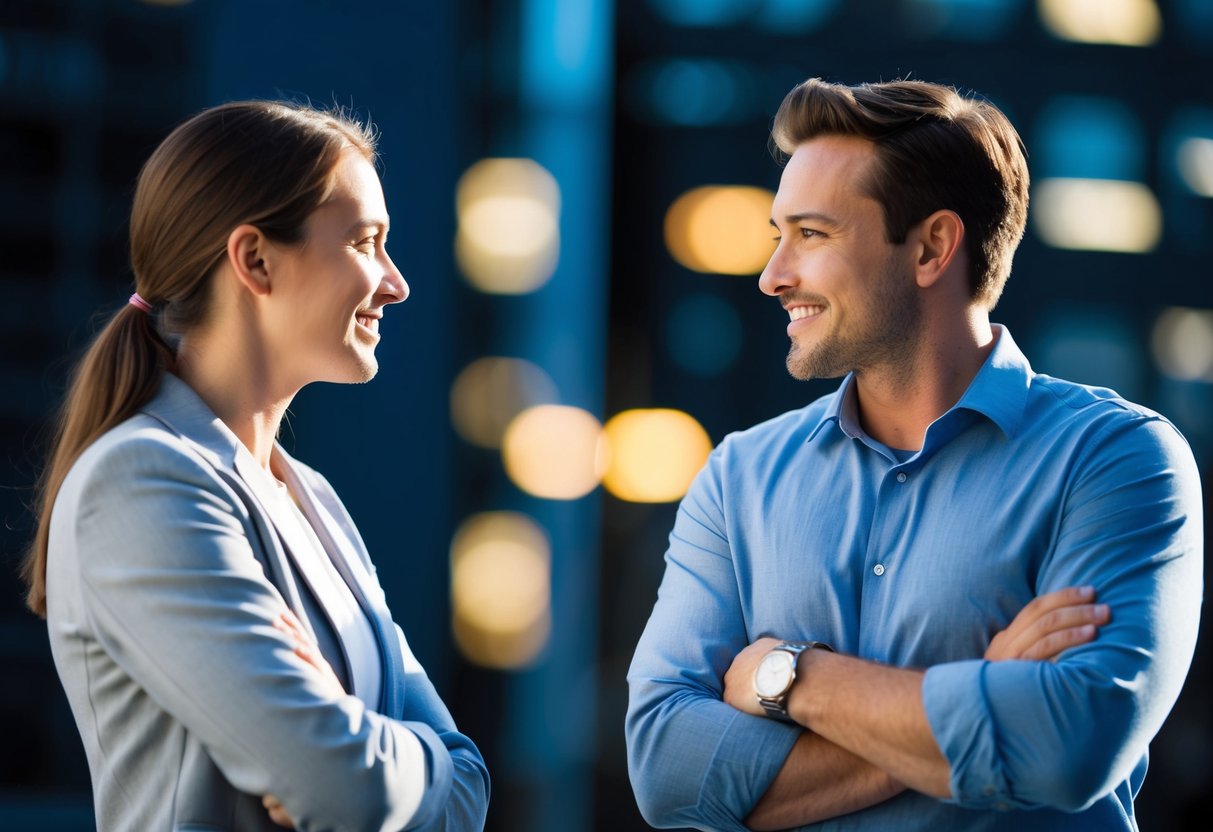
[
  {"x": 655, "y": 454},
  {"x": 1182, "y": 343},
  {"x": 1088, "y": 137},
  {"x": 490, "y": 392},
  {"x": 508, "y": 239},
  {"x": 1118, "y": 22},
  {"x": 1097, "y": 215},
  {"x": 501, "y": 589},
  {"x": 721, "y": 229},
  {"x": 704, "y": 335},
  {"x": 703, "y": 12},
  {"x": 1195, "y": 161},
  {"x": 964, "y": 19},
  {"x": 1091, "y": 343},
  {"x": 555, "y": 451},
  {"x": 692, "y": 91}
]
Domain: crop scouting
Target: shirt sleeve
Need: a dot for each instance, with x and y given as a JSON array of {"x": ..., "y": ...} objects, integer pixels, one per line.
[
  {"x": 176, "y": 597},
  {"x": 1023, "y": 734},
  {"x": 694, "y": 760}
]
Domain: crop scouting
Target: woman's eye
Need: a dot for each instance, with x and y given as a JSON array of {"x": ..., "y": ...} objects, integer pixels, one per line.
[{"x": 807, "y": 233}]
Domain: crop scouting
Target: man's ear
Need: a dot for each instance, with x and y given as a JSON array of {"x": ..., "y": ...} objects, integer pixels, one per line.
[
  {"x": 247, "y": 252},
  {"x": 940, "y": 241}
]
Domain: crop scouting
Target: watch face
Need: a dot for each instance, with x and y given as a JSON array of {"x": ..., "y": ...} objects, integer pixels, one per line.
[{"x": 774, "y": 674}]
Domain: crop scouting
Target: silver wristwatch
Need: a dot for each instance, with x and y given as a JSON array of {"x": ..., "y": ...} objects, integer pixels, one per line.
[{"x": 776, "y": 673}]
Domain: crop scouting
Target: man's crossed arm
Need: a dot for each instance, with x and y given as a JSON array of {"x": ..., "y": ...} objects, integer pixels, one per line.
[{"x": 868, "y": 737}]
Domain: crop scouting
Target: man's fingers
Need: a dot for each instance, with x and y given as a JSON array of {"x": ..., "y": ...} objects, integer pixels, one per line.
[
  {"x": 1062, "y": 619},
  {"x": 1029, "y": 634},
  {"x": 1055, "y": 631},
  {"x": 1044, "y": 604},
  {"x": 1053, "y": 644}
]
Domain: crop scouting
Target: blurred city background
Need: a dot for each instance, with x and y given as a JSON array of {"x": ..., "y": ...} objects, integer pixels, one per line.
[{"x": 579, "y": 192}]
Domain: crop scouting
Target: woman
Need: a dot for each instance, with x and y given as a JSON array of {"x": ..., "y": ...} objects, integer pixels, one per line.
[{"x": 214, "y": 617}]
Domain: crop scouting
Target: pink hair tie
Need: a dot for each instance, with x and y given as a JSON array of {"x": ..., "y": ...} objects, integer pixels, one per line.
[{"x": 139, "y": 303}]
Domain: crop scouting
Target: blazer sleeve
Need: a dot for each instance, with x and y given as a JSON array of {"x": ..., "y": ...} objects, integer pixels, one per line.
[
  {"x": 467, "y": 802},
  {"x": 174, "y": 593},
  {"x": 450, "y": 755}
]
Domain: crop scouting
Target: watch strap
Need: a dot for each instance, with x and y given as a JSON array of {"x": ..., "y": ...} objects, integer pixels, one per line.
[{"x": 776, "y": 707}]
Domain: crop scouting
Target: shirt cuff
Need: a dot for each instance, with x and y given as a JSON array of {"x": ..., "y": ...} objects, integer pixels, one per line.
[
  {"x": 749, "y": 754},
  {"x": 954, "y": 696}
]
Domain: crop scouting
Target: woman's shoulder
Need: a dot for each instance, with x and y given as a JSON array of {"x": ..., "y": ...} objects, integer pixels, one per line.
[{"x": 140, "y": 448}]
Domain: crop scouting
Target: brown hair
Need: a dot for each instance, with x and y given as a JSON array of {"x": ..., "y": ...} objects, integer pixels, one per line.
[
  {"x": 265, "y": 163},
  {"x": 935, "y": 149}
]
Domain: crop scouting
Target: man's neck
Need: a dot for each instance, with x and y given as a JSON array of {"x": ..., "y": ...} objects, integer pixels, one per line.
[{"x": 896, "y": 405}]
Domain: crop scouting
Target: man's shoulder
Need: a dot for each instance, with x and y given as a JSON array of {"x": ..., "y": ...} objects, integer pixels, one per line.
[
  {"x": 1097, "y": 421},
  {"x": 790, "y": 426},
  {"x": 1085, "y": 400}
]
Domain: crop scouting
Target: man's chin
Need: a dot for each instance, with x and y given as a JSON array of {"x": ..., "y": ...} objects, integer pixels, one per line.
[{"x": 809, "y": 367}]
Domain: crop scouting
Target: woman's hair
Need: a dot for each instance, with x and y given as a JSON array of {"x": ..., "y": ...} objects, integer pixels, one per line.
[
  {"x": 265, "y": 163},
  {"x": 935, "y": 149}
]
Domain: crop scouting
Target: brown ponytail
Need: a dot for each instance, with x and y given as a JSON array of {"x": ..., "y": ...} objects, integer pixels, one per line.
[
  {"x": 260, "y": 162},
  {"x": 119, "y": 374}
]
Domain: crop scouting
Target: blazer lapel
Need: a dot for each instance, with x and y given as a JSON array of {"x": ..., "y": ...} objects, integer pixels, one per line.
[
  {"x": 180, "y": 409},
  {"x": 281, "y": 515},
  {"x": 338, "y": 542}
]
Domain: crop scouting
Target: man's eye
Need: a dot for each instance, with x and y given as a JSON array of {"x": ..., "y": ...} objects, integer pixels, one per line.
[{"x": 808, "y": 232}]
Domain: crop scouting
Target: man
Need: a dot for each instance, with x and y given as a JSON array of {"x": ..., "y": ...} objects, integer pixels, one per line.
[{"x": 880, "y": 610}]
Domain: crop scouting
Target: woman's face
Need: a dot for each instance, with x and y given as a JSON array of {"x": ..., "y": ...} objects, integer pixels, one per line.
[{"x": 330, "y": 291}]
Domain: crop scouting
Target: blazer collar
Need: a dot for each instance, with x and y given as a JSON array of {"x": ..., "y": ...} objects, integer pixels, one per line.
[{"x": 183, "y": 411}]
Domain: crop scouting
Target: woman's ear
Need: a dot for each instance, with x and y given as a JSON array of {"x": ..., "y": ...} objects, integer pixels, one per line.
[
  {"x": 940, "y": 239},
  {"x": 247, "y": 252}
]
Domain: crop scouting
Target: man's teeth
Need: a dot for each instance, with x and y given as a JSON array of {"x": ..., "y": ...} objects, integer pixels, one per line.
[{"x": 798, "y": 312}]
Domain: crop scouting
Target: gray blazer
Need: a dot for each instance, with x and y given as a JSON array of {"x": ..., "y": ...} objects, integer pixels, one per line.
[{"x": 165, "y": 572}]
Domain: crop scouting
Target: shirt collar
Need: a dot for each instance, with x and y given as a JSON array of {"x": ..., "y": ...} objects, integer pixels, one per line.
[
  {"x": 999, "y": 392},
  {"x": 839, "y": 411}
]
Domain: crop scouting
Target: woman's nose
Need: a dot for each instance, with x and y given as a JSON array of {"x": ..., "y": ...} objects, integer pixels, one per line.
[{"x": 394, "y": 284}]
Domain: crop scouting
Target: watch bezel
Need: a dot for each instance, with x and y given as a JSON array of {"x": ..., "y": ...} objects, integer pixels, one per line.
[{"x": 787, "y": 659}]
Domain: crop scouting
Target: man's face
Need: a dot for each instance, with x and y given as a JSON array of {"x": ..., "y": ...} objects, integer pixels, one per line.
[{"x": 850, "y": 294}]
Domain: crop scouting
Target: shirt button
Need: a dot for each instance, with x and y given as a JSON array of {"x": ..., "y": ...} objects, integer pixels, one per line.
[
  {"x": 902, "y": 476},
  {"x": 878, "y": 569},
  {"x": 988, "y": 791}
]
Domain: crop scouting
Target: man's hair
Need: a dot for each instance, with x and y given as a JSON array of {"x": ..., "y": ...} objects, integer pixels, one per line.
[{"x": 935, "y": 149}]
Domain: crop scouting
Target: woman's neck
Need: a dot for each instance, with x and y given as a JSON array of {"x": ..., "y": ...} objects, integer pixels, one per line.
[{"x": 234, "y": 379}]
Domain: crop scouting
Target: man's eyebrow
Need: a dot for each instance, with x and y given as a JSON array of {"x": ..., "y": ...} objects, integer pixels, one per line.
[{"x": 792, "y": 219}]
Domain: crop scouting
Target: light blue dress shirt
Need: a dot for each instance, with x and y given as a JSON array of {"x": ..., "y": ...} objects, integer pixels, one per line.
[{"x": 806, "y": 528}]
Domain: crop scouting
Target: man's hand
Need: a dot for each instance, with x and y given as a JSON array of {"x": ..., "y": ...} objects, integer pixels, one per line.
[
  {"x": 739, "y": 678},
  {"x": 1050, "y": 624}
]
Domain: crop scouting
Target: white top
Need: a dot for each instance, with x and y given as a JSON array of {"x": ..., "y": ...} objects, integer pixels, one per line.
[{"x": 347, "y": 617}]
